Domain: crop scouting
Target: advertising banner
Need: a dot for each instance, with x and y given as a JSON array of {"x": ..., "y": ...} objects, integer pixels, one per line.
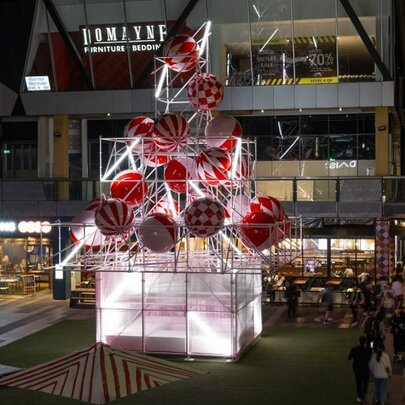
[{"x": 314, "y": 60}]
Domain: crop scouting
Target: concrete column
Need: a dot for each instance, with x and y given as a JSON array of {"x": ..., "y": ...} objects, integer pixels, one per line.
[
  {"x": 61, "y": 153},
  {"x": 382, "y": 142},
  {"x": 45, "y": 147}
]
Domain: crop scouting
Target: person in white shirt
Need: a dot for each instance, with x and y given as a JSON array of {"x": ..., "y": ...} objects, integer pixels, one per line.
[{"x": 380, "y": 367}]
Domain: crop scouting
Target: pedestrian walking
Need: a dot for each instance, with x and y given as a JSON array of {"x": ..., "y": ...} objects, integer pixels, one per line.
[
  {"x": 354, "y": 302},
  {"x": 380, "y": 367},
  {"x": 360, "y": 356},
  {"x": 291, "y": 294}
]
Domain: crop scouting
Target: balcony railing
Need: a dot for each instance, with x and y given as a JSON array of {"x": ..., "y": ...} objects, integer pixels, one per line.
[{"x": 312, "y": 197}]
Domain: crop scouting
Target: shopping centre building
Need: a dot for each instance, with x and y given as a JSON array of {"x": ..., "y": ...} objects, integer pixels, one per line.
[{"x": 318, "y": 85}]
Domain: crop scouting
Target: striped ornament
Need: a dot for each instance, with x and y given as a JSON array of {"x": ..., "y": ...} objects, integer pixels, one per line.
[
  {"x": 153, "y": 158},
  {"x": 269, "y": 205},
  {"x": 171, "y": 131},
  {"x": 180, "y": 53},
  {"x": 114, "y": 218},
  {"x": 140, "y": 128},
  {"x": 222, "y": 132},
  {"x": 204, "y": 91},
  {"x": 164, "y": 206},
  {"x": 213, "y": 166},
  {"x": 92, "y": 205}
]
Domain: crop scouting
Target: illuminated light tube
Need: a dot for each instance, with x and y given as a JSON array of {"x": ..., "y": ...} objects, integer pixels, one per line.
[
  {"x": 196, "y": 189},
  {"x": 205, "y": 37},
  {"x": 289, "y": 148},
  {"x": 269, "y": 39},
  {"x": 191, "y": 118},
  {"x": 236, "y": 161},
  {"x": 236, "y": 249},
  {"x": 120, "y": 159},
  {"x": 7, "y": 227},
  {"x": 171, "y": 202},
  {"x": 161, "y": 81},
  {"x": 72, "y": 253}
]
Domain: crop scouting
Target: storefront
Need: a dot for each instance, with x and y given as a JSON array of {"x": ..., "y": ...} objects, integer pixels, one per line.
[{"x": 26, "y": 249}]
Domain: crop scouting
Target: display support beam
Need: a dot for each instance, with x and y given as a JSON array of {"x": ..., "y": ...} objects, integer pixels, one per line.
[
  {"x": 149, "y": 67},
  {"x": 74, "y": 53},
  {"x": 366, "y": 40}
]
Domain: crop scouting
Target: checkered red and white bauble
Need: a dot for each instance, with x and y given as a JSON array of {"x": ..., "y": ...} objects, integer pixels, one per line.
[
  {"x": 164, "y": 206},
  {"x": 158, "y": 233},
  {"x": 237, "y": 207},
  {"x": 153, "y": 158},
  {"x": 114, "y": 218},
  {"x": 258, "y": 230},
  {"x": 204, "y": 217},
  {"x": 83, "y": 229},
  {"x": 238, "y": 175},
  {"x": 223, "y": 132},
  {"x": 204, "y": 91},
  {"x": 269, "y": 205},
  {"x": 140, "y": 130},
  {"x": 130, "y": 187},
  {"x": 171, "y": 132},
  {"x": 178, "y": 171},
  {"x": 213, "y": 166},
  {"x": 180, "y": 53}
]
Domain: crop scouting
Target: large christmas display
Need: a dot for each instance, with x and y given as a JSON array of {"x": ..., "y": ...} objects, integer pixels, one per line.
[{"x": 178, "y": 237}]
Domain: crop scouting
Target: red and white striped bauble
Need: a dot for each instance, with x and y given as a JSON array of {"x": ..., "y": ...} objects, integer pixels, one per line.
[
  {"x": 204, "y": 217},
  {"x": 164, "y": 206},
  {"x": 140, "y": 129},
  {"x": 213, "y": 166},
  {"x": 171, "y": 131},
  {"x": 178, "y": 171},
  {"x": 238, "y": 175},
  {"x": 83, "y": 229},
  {"x": 258, "y": 230},
  {"x": 130, "y": 187},
  {"x": 115, "y": 218},
  {"x": 93, "y": 204},
  {"x": 180, "y": 53},
  {"x": 158, "y": 233},
  {"x": 204, "y": 91},
  {"x": 223, "y": 132},
  {"x": 269, "y": 205},
  {"x": 153, "y": 158}
]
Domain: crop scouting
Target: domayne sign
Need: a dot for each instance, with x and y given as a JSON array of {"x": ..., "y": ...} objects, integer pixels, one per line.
[{"x": 117, "y": 38}]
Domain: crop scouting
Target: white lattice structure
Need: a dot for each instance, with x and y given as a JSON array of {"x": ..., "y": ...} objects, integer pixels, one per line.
[{"x": 204, "y": 296}]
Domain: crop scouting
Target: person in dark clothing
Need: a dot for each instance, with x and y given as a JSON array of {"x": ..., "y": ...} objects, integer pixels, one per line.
[
  {"x": 398, "y": 333},
  {"x": 291, "y": 294},
  {"x": 360, "y": 356},
  {"x": 354, "y": 303}
]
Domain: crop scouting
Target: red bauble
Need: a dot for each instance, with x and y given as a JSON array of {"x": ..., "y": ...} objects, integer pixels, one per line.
[
  {"x": 178, "y": 171},
  {"x": 130, "y": 187},
  {"x": 258, "y": 230},
  {"x": 269, "y": 205}
]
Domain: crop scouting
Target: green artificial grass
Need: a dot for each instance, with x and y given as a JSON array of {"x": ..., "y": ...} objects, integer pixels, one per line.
[{"x": 289, "y": 365}]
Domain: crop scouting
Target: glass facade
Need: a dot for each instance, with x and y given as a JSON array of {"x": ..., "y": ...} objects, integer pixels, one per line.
[{"x": 261, "y": 43}]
